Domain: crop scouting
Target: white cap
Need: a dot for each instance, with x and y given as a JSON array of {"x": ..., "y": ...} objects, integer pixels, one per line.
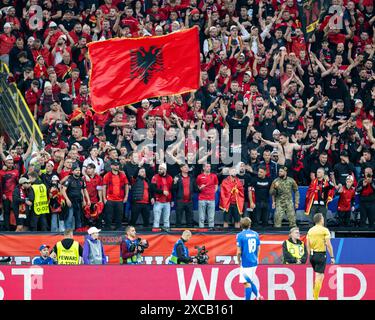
[
  {"x": 358, "y": 101},
  {"x": 7, "y": 25},
  {"x": 248, "y": 73},
  {"x": 48, "y": 84},
  {"x": 77, "y": 145},
  {"x": 158, "y": 28},
  {"x": 233, "y": 27},
  {"x": 145, "y": 101},
  {"x": 9, "y": 157},
  {"x": 51, "y": 163},
  {"x": 31, "y": 38},
  {"x": 55, "y": 177},
  {"x": 163, "y": 165},
  {"x": 52, "y": 24},
  {"x": 276, "y": 131},
  {"x": 93, "y": 230}
]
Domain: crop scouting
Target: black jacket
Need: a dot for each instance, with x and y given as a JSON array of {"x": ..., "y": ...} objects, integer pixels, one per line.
[
  {"x": 17, "y": 199},
  {"x": 368, "y": 198},
  {"x": 138, "y": 189},
  {"x": 177, "y": 188}
]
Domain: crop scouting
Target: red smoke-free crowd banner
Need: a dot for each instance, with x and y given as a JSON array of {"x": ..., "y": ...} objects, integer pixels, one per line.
[
  {"x": 125, "y": 71},
  {"x": 23, "y": 248},
  {"x": 170, "y": 282}
]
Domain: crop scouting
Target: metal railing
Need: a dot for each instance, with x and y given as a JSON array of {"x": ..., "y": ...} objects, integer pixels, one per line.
[{"x": 15, "y": 114}]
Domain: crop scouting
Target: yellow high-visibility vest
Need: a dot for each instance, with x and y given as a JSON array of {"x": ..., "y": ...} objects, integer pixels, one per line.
[
  {"x": 41, "y": 205},
  {"x": 67, "y": 256},
  {"x": 295, "y": 249}
]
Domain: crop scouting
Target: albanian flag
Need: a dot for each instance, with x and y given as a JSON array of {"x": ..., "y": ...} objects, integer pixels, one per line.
[
  {"x": 125, "y": 71},
  {"x": 230, "y": 187}
]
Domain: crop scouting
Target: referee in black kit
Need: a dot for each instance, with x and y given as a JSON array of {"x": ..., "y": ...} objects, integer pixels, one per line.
[{"x": 318, "y": 241}]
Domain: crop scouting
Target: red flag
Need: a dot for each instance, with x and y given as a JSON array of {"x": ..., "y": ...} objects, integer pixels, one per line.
[
  {"x": 125, "y": 71},
  {"x": 229, "y": 187}
]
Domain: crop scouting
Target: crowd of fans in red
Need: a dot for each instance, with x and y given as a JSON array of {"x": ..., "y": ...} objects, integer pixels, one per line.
[{"x": 292, "y": 112}]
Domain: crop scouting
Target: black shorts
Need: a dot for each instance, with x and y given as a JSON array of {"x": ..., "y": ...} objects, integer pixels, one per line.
[
  {"x": 232, "y": 212},
  {"x": 318, "y": 261}
]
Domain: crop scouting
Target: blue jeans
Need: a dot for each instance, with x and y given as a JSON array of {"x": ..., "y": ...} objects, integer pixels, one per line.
[
  {"x": 54, "y": 222},
  {"x": 209, "y": 207},
  {"x": 74, "y": 212},
  {"x": 159, "y": 209}
]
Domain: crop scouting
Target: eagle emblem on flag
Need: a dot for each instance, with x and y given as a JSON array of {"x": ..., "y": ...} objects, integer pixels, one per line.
[{"x": 144, "y": 64}]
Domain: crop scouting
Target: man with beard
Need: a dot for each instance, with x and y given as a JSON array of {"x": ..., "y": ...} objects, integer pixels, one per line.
[
  {"x": 161, "y": 186},
  {"x": 321, "y": 162},
  {"x": 344, "y": 168},
  {"x": 261, "y": 185},
  {"x": 76, "y": 196},
  {"x": 115, "y": 195},
  {"x": 282, "y": 190},
  {"x": 245, "y": 179},
  {"x": 183, "y": 188},
  {"x": 141, "y": 197},
  {"x": 270, "y": 165}
]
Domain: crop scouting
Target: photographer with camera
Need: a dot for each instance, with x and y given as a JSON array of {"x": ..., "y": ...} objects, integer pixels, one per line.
[
  {"x": 366, "y": 191},
  {"x": 132, "y": 247},
  {"x": 180, "y": 253}
]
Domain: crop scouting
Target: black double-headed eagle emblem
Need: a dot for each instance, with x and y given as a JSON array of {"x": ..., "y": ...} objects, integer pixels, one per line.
[{"x": 144, "y": 64}]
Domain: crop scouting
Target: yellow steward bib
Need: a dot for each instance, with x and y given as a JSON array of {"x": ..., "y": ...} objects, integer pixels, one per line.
[
  {"x": 68, "y": 256},
  {"x": 41, "y": 205}
]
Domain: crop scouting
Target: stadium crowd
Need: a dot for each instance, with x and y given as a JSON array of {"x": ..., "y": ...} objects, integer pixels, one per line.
[{"x": 304, "y": 113}]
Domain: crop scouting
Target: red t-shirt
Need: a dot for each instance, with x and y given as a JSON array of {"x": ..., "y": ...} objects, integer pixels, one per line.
[
  {"x": 165, "y": 184},
  {"x": 115, "y": 184},
  {"x": 186, "y": 188},
  {"x": 9, "y": 181},
  {"x": 6, "y": 43},
  {"x": 367, "y": 190},
  {"x": 92, "y": 187},
  {"x": 140, "y": 122},
  {"x": 210, "y": 181},
  {"x": 145, "y": 199}
]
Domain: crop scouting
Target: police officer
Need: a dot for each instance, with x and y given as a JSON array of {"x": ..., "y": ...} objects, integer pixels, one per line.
[
  {"x": 281, "y": 191},
  {"x": 180, "y": 253},
  {"x": 130, "y": 250},
  {"x": 294, "y": 250}
]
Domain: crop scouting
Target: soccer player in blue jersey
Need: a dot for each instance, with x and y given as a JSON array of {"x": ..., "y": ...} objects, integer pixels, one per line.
[{"x": 247, "y": 253}]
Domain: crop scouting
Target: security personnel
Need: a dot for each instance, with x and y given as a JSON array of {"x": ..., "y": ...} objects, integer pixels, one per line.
[
  {"x": 318, "y": 241},
  {"x": 129, "y": 248},
  {"x": 67, "y": 251},
  {"x": 39, "y": 198},
  {"x": 180, "y": 253},
  {"x": 294, "y": 250}
]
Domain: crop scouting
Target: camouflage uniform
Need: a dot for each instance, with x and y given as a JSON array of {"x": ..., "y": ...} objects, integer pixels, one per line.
[{"x": 284, "y": 200}]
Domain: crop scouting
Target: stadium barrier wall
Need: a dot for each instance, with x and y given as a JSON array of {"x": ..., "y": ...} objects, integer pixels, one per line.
[
  {"x": 170, "y": 282},
  {"x": 23, "y": 248}
]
